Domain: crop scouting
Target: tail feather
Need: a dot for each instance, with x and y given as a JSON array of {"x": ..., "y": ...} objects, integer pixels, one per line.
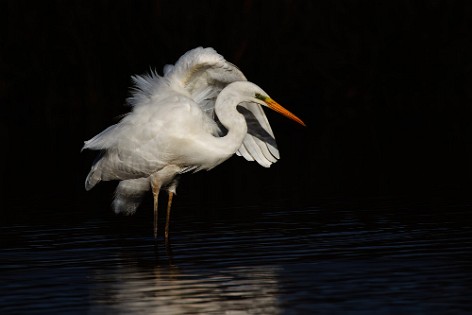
[
  {"x": 128, "y": 195},
  {"x": 92, "y": 179},
  {"x": 95, "y": 174}
]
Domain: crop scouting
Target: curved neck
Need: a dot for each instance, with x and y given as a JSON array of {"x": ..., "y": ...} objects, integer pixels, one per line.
[{"x": 234, "y": 122}]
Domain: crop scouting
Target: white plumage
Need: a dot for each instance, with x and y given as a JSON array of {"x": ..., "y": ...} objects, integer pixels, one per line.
[{"x": 196, "y": 116}]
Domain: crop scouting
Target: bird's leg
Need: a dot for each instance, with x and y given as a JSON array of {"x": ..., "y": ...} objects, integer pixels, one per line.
[
  {"x": 169, "y": 204},
  {"x": 155, "y": 192}
]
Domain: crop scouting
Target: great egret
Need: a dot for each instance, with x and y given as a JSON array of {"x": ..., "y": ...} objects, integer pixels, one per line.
[{"x": 196, "y": 116}]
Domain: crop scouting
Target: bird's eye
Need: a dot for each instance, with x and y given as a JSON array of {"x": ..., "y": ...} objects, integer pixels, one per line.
[{"x": 260, "y": 96}]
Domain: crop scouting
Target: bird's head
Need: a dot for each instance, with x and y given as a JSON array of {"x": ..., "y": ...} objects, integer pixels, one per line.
[
  {"x": 262, "y": 98},
  {"x": 246, "y": 91}
]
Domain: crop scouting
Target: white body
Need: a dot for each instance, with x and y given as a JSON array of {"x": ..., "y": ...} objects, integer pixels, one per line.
[{"x": 172, "y": 128}]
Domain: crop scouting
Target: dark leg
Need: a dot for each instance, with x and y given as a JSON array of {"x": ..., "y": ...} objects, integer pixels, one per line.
[
  {"x": 169, "y": 204},
  {"x": 155, "y": 193}
]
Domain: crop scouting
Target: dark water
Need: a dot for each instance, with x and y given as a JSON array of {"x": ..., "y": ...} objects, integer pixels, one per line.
[{"x": 410, "y": 259}]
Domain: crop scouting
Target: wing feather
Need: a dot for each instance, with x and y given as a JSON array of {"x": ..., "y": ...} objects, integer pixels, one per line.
[
  {"x": 244, "y": 153},
  {"x": 260, "y": 139},
  {"x": 203, "y": 73}
]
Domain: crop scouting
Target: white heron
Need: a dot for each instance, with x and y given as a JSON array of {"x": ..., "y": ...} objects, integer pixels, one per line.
[{"x": 194, "y": 117}]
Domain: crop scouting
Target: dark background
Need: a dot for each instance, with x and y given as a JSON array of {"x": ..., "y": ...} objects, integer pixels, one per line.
[{"x": 384, "y": 87}]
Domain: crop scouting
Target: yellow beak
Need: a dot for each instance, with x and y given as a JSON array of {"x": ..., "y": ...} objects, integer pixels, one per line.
[{"x": 280, "y": 109}]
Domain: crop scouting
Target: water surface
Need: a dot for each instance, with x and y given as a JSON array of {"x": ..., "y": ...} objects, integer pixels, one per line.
[{"x": 262, "y": 260}]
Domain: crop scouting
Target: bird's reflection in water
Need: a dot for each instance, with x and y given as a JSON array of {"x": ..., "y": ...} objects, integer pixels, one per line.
[{"x": 168, "y": 288}]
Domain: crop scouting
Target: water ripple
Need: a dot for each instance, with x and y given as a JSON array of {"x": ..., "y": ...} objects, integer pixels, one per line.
[{"x": 266, "y": 261}]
